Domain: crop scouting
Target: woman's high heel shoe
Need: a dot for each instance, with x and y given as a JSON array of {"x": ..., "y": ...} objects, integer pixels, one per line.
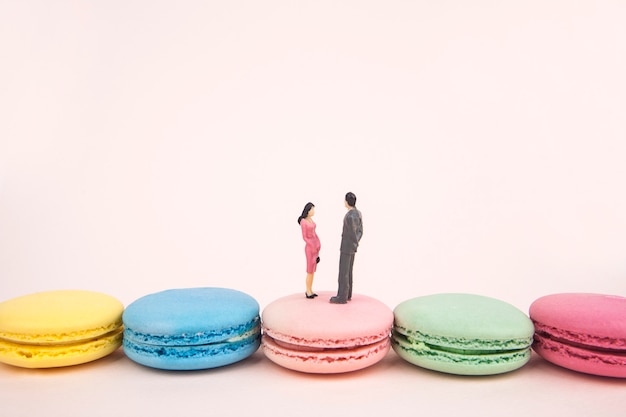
[{"x": 310, "y": 296}]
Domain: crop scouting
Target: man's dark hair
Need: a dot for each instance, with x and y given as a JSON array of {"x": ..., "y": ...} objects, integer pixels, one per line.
[{"x": 351, "y": 199}]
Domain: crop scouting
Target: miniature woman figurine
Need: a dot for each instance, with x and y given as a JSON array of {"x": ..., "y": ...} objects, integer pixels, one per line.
[{"x": 312, "y": 247}]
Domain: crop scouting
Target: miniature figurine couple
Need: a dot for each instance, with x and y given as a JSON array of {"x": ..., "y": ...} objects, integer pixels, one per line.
[{"x": 352, "y": 233}]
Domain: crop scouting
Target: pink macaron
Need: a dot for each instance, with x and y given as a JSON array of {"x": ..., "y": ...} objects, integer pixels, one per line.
[
  {"x": 315, "y": 336},
  {"x": 582, "y": 332}
]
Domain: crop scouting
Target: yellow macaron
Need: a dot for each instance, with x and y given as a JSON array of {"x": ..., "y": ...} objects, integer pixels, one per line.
[{"x": 59, "y": 328}]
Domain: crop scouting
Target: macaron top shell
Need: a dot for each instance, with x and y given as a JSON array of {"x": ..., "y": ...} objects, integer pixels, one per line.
[
  {"x": 55, "y": 317},
  {"x": 318, "y": 323},
  {"x": 595, "y": 320},
  {"x": 465, "y": 321},
  {"x": 191, "y": 316}
]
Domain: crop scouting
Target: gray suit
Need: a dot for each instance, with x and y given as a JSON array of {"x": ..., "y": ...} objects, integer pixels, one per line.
[{"x": 352, "y": 233}]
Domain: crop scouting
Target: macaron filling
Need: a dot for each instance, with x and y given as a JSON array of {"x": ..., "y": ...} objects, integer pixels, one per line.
[
  {"x": 321, "y": 345},
  {"x": 611, "y": 351},
  {"x": 49, "y": 351},
  {"x": 460, "y": 345},
  {"x": 197, "y": 348},
  {"x": 60, "y": 338},
  {"x": 585, "y": 341},
  {"x": 316, "y": 353},
  {"x": 197, "y": 338},
  {"x": 474, "y": 351}
]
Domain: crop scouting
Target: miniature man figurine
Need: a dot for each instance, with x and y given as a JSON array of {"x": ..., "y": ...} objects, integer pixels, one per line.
[{"x": 352, "y": 232}]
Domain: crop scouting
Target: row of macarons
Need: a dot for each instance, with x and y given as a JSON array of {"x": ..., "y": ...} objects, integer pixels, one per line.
[{"x": 209, "y": 327}]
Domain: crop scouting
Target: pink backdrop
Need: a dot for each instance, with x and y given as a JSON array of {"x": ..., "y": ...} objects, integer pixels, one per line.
[{"x": 147, "y": 145}]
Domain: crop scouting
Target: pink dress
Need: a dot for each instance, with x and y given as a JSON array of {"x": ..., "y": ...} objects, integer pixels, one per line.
[{"x": 312, "y": 247}]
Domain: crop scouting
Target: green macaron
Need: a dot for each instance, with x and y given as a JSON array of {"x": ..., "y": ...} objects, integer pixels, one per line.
[{"x": 463, "y": 334}]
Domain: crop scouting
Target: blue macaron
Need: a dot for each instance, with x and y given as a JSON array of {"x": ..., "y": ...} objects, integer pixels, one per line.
[{"x": 191, "y": 328}]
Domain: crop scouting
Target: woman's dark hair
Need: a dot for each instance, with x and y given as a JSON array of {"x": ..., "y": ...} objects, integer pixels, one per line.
[
  {"x": 305, "y": 212},
  {"x": 351, "y": 199}
]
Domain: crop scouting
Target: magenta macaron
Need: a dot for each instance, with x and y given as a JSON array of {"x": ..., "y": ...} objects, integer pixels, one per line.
[
  {"x": 582, "y": 332},
  {"x": 315, "y": 336}
]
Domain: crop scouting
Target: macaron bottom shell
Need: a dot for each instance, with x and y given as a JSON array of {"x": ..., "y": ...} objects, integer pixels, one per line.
[
  {"x": 324, "y": 361},
  {"x": 459, "y": 363},
  {"x": 188, "y": 358},
  {"x": 54, "y": 356},
  {"x": 581, "y": 359}
]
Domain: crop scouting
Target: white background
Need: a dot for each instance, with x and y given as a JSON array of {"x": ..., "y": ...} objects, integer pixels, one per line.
[{"x": 147, "y": 145}]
